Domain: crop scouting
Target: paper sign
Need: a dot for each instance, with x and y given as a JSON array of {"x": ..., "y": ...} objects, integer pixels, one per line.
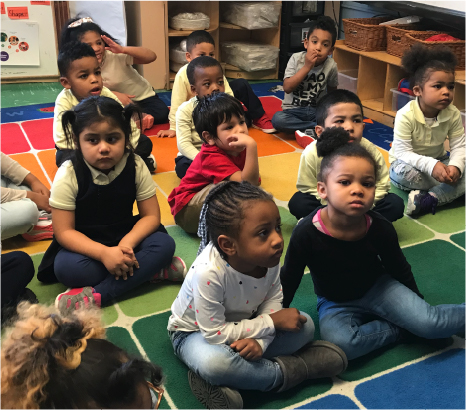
[
  {"x": 3, "y": 8},
  {"x": 19, "y": 43},
  {"x": 18, "y": 12},
  {"x": 40, "y": 3}
]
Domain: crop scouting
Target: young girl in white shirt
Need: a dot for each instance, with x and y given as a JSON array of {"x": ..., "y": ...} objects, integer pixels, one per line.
[
  {"x": 227, "y": 323},
  {"x": 97, "y": 239},
  {"x": 118, "y": 73},
  {"x": 419, "y": 161}
]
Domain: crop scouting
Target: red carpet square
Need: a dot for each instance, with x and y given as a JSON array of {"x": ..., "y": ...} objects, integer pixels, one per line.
[
  {"x": 40, "y": 133},
  {"x": 13, "y": 139}
]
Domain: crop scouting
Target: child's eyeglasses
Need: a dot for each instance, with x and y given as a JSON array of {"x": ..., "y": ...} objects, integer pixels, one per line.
[
  {"x": 157, "y": 396},
  {"x": 80, "y": 21}
]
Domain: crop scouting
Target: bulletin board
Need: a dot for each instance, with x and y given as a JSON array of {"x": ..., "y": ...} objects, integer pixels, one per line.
[{"x": 36, "y": 59}]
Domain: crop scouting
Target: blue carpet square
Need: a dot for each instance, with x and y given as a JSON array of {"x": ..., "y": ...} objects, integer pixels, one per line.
[
  {"x": 26, "y": 113},
  {"x": 333, "y": 401},
  {"x": 434, "y": 383},
  {"x": 379, "y": 134}
]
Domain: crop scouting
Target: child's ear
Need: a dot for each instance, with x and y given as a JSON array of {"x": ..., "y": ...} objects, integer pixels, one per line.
[
  {"x": 188, "y": 57},
  {"x": 207, "y": 137},
  {"x": 305, "y": 43},
  {"x": 227, "y": 245},
  {"x": 417, "y": 90},
  {"x": 319, "y": 130},
  {"x": 65, "y": 83},
  {"x": 331, "y": 51},
  {"x": 193, "y": 89},
  {"x": 322, "y": 189}
]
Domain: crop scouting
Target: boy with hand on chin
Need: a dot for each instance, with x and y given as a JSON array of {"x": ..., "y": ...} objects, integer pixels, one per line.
[
  {"x": 81, "y": 77},
  {"x": 309, "y": 75}
]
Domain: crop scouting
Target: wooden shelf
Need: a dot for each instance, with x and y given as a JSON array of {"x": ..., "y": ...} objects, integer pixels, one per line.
[
  {"x": 375, "y": 104},
  {"x": 232, "y": 71},
  {"x": 231, "y": 26},
  {"x": 185, "y": 33}
]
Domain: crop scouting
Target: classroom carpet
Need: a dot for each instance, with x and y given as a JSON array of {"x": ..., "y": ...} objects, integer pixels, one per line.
[{"x": 429, "y": 374}]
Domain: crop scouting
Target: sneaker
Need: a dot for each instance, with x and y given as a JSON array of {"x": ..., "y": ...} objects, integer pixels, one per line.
[
  {"x": 264, "y": 124},
  {"x": 77, "y": 298},
  {"x": 214, "y": 397},
  {"x": 421, "y": 202},
  {"x": 151, "y": 163},
  {"x": 306, "y": 137},
  {"x": 175, "y": 272},
  {"x": 42, "y": 230}
]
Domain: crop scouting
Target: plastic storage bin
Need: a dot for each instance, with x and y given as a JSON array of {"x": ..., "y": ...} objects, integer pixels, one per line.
[
  {"x": 348, "y": 80},
  {"x": 400, "y": 99},
  {"x": 252, "y": 14},
  {"x": 178, "y": 55},
  {"x": 250, "y": 56},
  {"x": 189, "y": 21}
]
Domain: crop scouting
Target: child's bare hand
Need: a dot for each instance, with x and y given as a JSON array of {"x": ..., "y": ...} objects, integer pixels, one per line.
[
  {"x": 166, "y": 133},
  {"x": 116, "y": 261},
  {"x": 454, "y": 173},
  {"x": 40, "y": 188},
  {"x": 115, "y": 48},
  {"x": 311, "y": 57},
  {"x": 250, "y": 349},
  {"x": 124, "y": 98},
  {"x": 41, "y": 201},
  {"x": 288, "y": 319},
  {"x": 128, "y": 251},
  {"x": 240, "y": 141},
  {"x": 440, "y": 173}
]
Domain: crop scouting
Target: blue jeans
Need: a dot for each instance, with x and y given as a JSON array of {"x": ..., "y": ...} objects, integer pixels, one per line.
[
  {"x": 75, "y": 270},
  {"x": 407, "y": 178},
  {"x": 220, "y": 365},
  {"x": 292, "y": 119},
  {"x": 375, "y": 320}
]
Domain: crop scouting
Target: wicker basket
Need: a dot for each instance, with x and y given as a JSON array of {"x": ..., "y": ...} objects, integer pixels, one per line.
[
  {"x": 396, "y": 39},
  {"x": 366, "y": 34},
  {"x": 456, "y": 46}
]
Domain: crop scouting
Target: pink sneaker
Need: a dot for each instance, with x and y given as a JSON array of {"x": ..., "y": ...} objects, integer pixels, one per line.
[
  {"x": 264, "y": 124},
  {"x": 175, "y": 272},
  {"x": 43, "y": 230},
  {"x": 77, "y": 298},
  {"x": 147, "y": 122},
  {"x": 304, "y": 138}
]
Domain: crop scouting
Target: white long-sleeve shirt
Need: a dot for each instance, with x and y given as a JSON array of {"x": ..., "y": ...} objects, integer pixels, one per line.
[
  {"x": 421, "y": 145},
  {"x": 224, "y": 304}
]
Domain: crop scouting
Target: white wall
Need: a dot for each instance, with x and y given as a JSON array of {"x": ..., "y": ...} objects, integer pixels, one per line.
[
  {"x": 110, "y": 15},
  {"x": 446, "y": 4}
]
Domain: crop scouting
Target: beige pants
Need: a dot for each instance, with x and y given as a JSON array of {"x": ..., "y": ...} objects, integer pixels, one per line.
[{"x": 188, "y": 217}]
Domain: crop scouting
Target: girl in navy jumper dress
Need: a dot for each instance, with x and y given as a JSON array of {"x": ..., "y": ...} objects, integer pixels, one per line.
[{"x": 100, "y": 249}]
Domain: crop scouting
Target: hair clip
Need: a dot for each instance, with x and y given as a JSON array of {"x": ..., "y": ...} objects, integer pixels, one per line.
[{"x": 77, "y": 23}]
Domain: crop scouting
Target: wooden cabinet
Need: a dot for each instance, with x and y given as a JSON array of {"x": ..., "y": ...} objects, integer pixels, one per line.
[
  {"x": 147, "y": 23},
  {"x": 378, "y": 73}
]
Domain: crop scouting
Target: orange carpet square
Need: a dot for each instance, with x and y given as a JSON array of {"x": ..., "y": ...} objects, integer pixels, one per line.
[
  {"x": 48, "y": 161},
  {"x": 30, "y": 162}
]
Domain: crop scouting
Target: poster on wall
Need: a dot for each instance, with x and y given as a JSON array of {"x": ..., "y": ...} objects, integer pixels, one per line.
[{"x": 19, "y": 43}]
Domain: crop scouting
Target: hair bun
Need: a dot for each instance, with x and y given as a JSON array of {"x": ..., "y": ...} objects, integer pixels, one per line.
[{"x": 331, "y": 139}]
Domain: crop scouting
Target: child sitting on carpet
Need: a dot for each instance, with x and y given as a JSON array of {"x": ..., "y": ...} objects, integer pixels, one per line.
[
  {"x": 367, "y": 297},
  {"x": 227, "y": 153},
  {"x": 419, "y": 162},
  {"x": 80, "y": 75},
  {"x": 341, "y": 108},
  {"x": 205, "y": 75},
  {"x": 98, "y": 240},
  {"x": 116, "y": 63},
  {"x": 308, "y": 76},
  {"x": 25, "y": 203},
  {"x": 50, "y": 361},
  {"x": 200, "y": 43},
  {"x": 227, "y": 324}
]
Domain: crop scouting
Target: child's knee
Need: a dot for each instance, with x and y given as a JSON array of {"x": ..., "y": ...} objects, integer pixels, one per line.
[
  {"x": 308, "y": 328},
  {"x": 278, "y": 120},
  {"x": 346, "y": 341}
]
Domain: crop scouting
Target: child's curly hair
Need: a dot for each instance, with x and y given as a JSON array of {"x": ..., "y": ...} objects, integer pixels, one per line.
[
  {"x": 419, "y": 62},
  {"x": 52, "y": 361}
]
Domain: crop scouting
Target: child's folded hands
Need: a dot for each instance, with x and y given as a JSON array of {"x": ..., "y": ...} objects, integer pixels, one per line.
[{"x": 250, "y": 349}]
